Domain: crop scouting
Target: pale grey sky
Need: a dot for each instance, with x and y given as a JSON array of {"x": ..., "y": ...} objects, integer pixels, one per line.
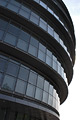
[{"x": 69, "y": 110}]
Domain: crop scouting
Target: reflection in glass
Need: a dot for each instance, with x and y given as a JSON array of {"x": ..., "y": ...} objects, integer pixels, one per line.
[{"x": 8, "y": 83}]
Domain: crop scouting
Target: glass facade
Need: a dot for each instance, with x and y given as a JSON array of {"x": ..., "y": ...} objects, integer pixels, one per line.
[
  {"x": 34, "y": 17},
  {"x": 8, "y": 114},
  {"x": 17, "y": 78},
  {"x": 31, "y": 45}
]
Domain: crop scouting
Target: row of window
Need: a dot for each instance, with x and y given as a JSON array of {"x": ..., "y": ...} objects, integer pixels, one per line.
[
  {"x": 31, "y": 15},
  {"x": 6, "y": 114},
  {"x": 26, "y": 42},
  {"x": 48, "y": 7},
  {"x": 20, "y": 79}
]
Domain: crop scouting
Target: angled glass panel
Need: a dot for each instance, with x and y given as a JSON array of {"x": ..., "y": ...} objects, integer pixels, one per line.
[
  {"x": 23, "y": 45},
  {"x": 56, "y": 36},
  {"x": 30, "y": 90},
  {"x": 24, "y": 36},
  {"x": 54, "y": 102},
  {"x": 48, "y": 60},
  {"x": 50, "y": 10},
  {"x": 3, "y": 3},
  {"x": 15, "y": 3},
  {"x": 43, "y": 4},
  {"x": 34, "y": 18},
  {"x": 49, "y": 53},
  {"x": 25, "y": 12},
  {"x": 1, "y": 34},
  {"x": 45, "y": 97},
  {"x": 1, "y": 75},
  {"x": 42, "y": 47},
  {"x": 40, "y": 82},
  {"x": 20, "y": 86},
  {"x": 32, "y": 50},
  {"x": 32, "y": 78},
  {"x": 34, "y": 42},
  {"x": 13, "y": 29},
  {"x": 41, "y": 55},
  {"x": 43, "y": 24},
  {"x": 51, "y": 89},
  {"x": 50, "y": 100},
  {"x": 2, "y": 64},
  {"x": 23, "y": 73},
  {"x": 13, "y": 8},
  {"x": 11, "y": 39},
  {"x": 50, "y": 30},
  {"x": 12, "y": 69},
  {"x": 3, "y": 24},
  {"x": 46, "y": 86},
  {"x": 37, "y": 1},
  {"x": 8, "y": 83},
  {"x": 38, "y": 94}
]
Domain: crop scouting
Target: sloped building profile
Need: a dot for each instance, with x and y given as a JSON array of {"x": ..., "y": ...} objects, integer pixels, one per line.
[{"x": 37, "y": 55}]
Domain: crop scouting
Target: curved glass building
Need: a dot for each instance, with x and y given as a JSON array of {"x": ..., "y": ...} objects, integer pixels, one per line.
[{"x": 37, "y": 55}]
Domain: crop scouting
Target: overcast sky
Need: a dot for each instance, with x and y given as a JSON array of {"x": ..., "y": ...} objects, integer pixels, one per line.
[{"x": 70, "y": 109}]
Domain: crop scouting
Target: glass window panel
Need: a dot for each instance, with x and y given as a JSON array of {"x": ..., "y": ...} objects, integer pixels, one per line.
[
  {"x": 43, "y": 4},
  {"x": 48, "y": 60},
  {"x": 34, "y": 41},
  {"x": 32, "y": 78},
  {"x": 50, "y": 30},
  {"x": 34, "y": 18},
  {"x": 12, "y": 69},
  {"x": 50, "y": 100},
  {"x": 40, "y": 82},
  {"x": 8, "y": 83},
  {"x": 20, "y": 86},
  {"x": 51, "y": 89},
  {"x": 46, "y": 86},
  {"x": 55, "y": 65},
  {"x": 54, "y": 93},
  {"x": 30, "y": 90},
  {"x": 15, "y": 3},
  {"x": 3, "y": 3},
  {"x": 41, "y": 56},
  {"x": 13, "y": 8},
  {"x": 24, "y": 13},
  {"x": 32, "y": 50},
  {"x": 59, "y": 68},
  {"x": 23, "y": 73},
  {"x": 24, "y": 36},
  {"x": 43, "y": 24},
  {"x": 19, "y": 116},
  {"x": 23, "y": 45},
  {"x": 50, "y": 10},
  {"x": 24, "y": 7},
  {"x": 42, "y": 47},
  {"x": 10, "y": 39},
  {"x": 38, "y": 94},
  {"x": 56, "y": 36},
  {"x": 61, "y": 42},
  {"x": 2, "y": 64},
  {"x": 45, "y": 97},
  {"x": 54, "y": 102},
  {"x": 49, "y": 53},
  {"x": 1, "y": 75},
  {"x": 1, "y": 34},
  {"x": 13, "y": 29},
  {"x": 37, "y": 1},
  {"x": 3, "y": 24},
  {"x": 54, "y": 58}
]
